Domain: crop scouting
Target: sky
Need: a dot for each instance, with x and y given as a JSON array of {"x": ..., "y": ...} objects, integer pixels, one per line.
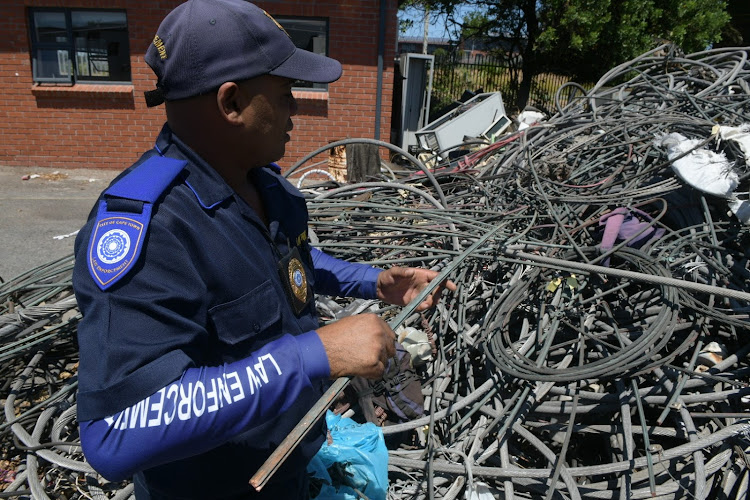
[{"x": 437, "y": 27}]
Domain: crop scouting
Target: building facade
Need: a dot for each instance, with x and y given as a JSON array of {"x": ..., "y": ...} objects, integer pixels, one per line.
[{"x": 73, "y": 77}]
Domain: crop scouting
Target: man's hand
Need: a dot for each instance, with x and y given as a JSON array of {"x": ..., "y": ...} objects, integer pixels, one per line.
[
  {"x": 400, "y": 285},
  {"x": 358, "y": 345}
]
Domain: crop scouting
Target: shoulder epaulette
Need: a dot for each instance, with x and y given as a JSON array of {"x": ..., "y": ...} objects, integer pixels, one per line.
[{"x": 123, "y": 217}]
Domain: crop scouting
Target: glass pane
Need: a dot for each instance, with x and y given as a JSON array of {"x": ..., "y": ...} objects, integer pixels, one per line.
[
  {"x": 94, "y": 19},
  {"x": 101, "y": 45},
  {"x": 52, "y": 64},
  {"x": 308, "y": 34},
  {"x": 50, "y": 27}
]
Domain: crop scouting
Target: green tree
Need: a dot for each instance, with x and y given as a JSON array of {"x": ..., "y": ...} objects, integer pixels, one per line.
[{"x": 584, "y": 38}]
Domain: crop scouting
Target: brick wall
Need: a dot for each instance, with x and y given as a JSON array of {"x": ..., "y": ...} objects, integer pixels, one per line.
[{"x": 109, "y": 126}]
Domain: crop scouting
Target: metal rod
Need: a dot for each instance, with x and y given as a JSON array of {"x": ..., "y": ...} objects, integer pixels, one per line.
[{"x": 287, "y": 446}]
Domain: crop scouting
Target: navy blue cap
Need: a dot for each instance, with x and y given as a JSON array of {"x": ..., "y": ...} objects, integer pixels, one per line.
[{"x": 202, "y": 44}]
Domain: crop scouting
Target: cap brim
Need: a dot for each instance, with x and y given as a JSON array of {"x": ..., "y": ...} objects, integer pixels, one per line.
[{"x": 309, "y": 67}]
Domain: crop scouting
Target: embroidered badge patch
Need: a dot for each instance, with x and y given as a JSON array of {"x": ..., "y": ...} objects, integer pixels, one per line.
[
  {"x": 278, "y": 25},
  {"x": 117, "y": 236},
  {"x": 115, "y": 245}
]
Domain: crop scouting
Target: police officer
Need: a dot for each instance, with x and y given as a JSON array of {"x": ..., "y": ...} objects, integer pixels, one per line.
[{"x": 200, "y": 348}]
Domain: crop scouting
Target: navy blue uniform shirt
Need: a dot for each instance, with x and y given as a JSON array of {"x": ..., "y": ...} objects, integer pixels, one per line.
[{"x": 206, "y": 291}]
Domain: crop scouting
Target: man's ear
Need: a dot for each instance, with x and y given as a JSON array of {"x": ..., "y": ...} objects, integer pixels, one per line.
[{"x": 231, "y": 101}]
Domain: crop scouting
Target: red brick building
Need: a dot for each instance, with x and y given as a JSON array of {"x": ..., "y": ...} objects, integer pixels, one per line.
[{"x": 72, "y": 75}]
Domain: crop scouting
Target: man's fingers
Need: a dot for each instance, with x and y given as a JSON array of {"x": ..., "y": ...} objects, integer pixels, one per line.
[
  {"x": 426, "y": 304},
  {"x": 434, "y": 297},
  {"x": 390, "y": 348}
]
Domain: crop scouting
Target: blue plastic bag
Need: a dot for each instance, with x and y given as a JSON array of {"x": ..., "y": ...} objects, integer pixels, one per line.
[{"x": 357, "y": 460}]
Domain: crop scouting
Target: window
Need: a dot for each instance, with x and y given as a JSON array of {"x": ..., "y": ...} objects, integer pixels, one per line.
[
  {"x": 309, "y": 34},
  {"x": 79, "y": 46}
]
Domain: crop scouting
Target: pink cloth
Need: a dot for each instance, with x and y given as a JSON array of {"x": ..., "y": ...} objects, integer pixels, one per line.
[{"x": 622, "y": 224}]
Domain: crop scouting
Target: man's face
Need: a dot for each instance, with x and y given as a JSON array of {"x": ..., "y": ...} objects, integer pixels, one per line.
[{"x": 268, "y": 117}]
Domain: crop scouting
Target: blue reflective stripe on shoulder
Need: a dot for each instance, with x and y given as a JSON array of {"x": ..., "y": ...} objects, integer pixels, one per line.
[{"x": 148, "y": 180}]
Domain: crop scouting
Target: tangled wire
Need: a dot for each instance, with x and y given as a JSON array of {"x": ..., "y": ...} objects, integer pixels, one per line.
[{"x": 597, "y": 345}]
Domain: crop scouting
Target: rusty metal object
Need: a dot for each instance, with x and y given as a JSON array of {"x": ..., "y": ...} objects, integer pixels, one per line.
[{"x": 282, "y": 452}]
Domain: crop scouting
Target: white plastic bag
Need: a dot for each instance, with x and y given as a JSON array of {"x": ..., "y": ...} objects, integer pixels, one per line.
[
  {"x": 740, "y": 135},
  {"x": 705, "y": 170}
]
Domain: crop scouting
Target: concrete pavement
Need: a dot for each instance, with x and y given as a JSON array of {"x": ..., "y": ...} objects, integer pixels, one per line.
[{"x": 38, "y": 216}]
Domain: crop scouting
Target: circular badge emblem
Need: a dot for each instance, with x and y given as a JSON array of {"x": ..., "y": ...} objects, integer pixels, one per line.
[
  {"x": 297, "y": 279},
  {"x": 113, "y": 246}
]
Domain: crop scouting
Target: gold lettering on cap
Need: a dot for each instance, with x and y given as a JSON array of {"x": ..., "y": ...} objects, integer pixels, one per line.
[
  {"x": 276, "y": 23},
  {"x": 159, "y": 44}
]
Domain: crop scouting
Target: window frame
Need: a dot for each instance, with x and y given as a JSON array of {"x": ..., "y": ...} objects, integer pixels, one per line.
[
  {"x": 313, "y": 87},
  {"x": 73, "y": 78}
]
